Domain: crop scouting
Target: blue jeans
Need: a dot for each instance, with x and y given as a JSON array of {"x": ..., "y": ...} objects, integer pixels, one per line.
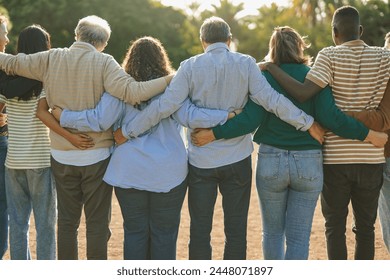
[
  {"x": 384, "y": 205},
  {"x": 288, "y": 186},
  {"x": 234, "y": 182},
  {"x": 31, "y": 190},
  {"x": 3, "y": 200},
  {"x": 151, "y": 222}
]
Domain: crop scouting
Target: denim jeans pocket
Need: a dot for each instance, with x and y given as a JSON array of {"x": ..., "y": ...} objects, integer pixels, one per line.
[
  {"x": 268, "y": 165},
  {"x": 39, "y": 171},
  {"x": 308, "y": 165}
]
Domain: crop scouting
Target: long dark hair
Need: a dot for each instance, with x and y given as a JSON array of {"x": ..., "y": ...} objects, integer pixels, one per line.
[
  {"x": 33, "y": 39},
  {"x": 147, "y": 59}
]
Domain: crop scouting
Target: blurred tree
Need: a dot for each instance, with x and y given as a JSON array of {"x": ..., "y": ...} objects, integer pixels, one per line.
[
  {"x": 129, "y": 19},
  {"x": 375, "y": 19},
  {"x": 229, "y": 12},
  {"x": 58, "y": 17},
  {"x": 179, "y": 32}
]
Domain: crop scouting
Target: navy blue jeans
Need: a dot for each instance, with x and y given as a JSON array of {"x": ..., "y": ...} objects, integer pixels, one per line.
[
  {"x": 3, "y": 201},
  {"x": 150, "y": 222},
  {"x": 234, "y": 183},
  {"x": 358, "y": 184}
]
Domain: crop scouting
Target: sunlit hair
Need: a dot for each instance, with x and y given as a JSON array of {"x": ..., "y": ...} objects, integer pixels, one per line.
[
  {"x": 93, "y": 30},
  {"x": 214, "y": 30},
  {"x": 3, "y": 19},
  {"x": 147, "y": 59},
  {"x": 33, "y": 39},
  {"x": 287, "y": 46},
  {"x": 387, "y": 36},
  {"x": 346, "y": 20}
]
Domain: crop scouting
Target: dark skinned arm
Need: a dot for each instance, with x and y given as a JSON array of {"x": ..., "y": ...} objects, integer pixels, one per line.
[
  {"x": 300, "y": 91},
  {"x": 377, "y": 119}
]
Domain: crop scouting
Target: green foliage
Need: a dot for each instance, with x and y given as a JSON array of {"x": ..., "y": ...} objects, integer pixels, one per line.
[
  {"x": 129, "y": 19},
  {"x": 375, "y": 19},
  {"x": 179, "y": 32}
]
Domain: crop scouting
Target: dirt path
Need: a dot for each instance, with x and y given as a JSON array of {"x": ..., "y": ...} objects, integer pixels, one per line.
[{"x": 317, "y": 244}]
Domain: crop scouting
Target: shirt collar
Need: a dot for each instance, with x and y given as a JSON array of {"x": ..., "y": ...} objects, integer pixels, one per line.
[
  {"x": 83, "y": 45},
  {"x": 217, "y": 46},
  {"x": 354, "y": 43}
]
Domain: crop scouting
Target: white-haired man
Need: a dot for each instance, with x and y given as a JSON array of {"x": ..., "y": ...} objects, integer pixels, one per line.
[
  {"x": 218, "y": 79},
  {"x": 75, "y": 78}
]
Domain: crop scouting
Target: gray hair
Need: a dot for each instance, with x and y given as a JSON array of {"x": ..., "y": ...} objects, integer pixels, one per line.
[
  {"x": 93, "y": 30},
  {"x": 214, "y": 30}
]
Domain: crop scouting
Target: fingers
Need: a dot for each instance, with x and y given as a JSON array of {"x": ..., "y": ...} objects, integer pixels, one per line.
[
  {"x": 196, "y": 141},
  {"x": 196, "y": 130},
  {"x": 85, "y": 136},
  {"x": 85, "y": 142}
]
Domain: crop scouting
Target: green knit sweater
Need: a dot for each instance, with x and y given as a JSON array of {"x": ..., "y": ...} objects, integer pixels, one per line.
[{"x": 273, "y": 131}]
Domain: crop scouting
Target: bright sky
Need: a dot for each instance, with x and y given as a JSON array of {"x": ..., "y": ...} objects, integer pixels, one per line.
[{"x": 250, "y": 6}]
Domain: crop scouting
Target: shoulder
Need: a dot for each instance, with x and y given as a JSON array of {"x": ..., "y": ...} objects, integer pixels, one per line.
[
  {"x": 328, "y": 51},
  {"x": 242, "y": 58}
]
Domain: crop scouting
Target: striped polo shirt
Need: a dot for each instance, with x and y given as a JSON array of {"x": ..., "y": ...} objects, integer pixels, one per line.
[
  {"x": 28, "y": 140},
  {"x": 358, "y": 75}
]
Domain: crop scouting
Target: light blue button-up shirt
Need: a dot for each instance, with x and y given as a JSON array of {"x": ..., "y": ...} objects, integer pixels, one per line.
[
  {"x": 218, "y": 79},
  {"x": 155, "y": 161}
]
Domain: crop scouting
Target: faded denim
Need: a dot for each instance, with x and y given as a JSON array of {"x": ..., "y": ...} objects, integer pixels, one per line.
[
  {"x": 384, "y": 205},
  {"x": 31, "y": 190},
  {"x": 288, "y": 186}
]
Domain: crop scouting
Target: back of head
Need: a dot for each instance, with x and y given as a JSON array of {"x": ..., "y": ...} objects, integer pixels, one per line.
[
  {"x": 346, "y": 22},
  {"x": 147, "y": 59},
  {"x": 287, "y": 46},
  {"x": 215, "y": 30},
  {"x": 93, "y": 30},
  {"x": 3, "y": 19},
  {"x": 33, "y": 39}
]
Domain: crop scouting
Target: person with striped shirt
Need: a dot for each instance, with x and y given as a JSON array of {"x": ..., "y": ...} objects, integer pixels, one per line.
[
  {"x": 3, "y": 152},
  {"x": 376, "y": 119},
  {"x": 289, "y": 175},
  {"x": 75, "y": 78},
  {"x": 28, "y": 179},
  {"x": 358, "y": 75}
]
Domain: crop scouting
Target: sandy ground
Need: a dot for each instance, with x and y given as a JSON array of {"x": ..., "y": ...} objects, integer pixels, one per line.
[{"x": 254, "y": 252}]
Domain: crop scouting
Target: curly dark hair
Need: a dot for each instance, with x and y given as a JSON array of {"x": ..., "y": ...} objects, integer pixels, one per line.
[{"x": 147, "y": 59}]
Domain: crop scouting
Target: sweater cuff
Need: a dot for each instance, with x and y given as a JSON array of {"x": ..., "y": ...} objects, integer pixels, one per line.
[
  {"x": 218, "y": 133},
  {"x": 364, "y": 134}
]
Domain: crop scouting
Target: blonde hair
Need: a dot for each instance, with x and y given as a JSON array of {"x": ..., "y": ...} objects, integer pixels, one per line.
[{"x": 287, "y": 46}]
